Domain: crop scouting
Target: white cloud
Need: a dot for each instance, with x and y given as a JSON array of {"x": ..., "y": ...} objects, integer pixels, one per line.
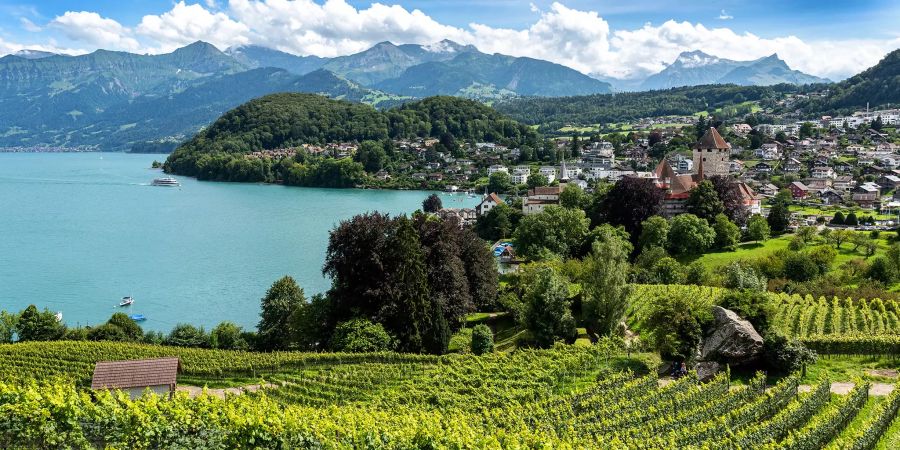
[
  {"x": 185, "y": 24},
  {"x": 725, "y": 16},
  {"x": 94, "y": 30},
  {"x": 7, "y": 47},
  {"x": 29, "y": 26},
  {"x": 580, "y": 39}
]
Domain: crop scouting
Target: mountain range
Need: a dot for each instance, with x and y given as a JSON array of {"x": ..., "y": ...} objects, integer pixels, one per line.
[{"x": 698, "y": 68}]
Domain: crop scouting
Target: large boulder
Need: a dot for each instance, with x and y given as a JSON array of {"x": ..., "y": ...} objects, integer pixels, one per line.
[
  {"x": 707, "y": 370},
  {"x": 732, "y": 340}
]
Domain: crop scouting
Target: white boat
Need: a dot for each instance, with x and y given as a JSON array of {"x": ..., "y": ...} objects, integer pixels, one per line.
[
  {"x": 126, "y": 301},
  {"x": 59, "y": 316},
  {"x": 166, "y": 181}
]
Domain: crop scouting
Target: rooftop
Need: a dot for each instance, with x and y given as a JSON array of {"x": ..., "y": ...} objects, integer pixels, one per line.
[{"x": 135, "y": 373}]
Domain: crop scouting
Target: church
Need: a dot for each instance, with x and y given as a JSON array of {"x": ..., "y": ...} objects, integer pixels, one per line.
[{"x": 711, "y": 158}]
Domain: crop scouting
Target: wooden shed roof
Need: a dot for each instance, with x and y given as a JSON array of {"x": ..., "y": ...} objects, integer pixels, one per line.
[{"x": 135, "y": 373}]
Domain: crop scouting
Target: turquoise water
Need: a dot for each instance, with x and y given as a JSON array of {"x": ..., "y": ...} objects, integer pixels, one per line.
[{"x": 80, "y": 231}]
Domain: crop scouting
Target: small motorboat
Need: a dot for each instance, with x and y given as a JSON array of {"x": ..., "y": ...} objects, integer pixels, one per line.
[
  {"x": 137, "y": 317},
  {"x": 165, "y": 181},
  {"x": 58, "y": 316},
  {"x": 126, "y": 301}
]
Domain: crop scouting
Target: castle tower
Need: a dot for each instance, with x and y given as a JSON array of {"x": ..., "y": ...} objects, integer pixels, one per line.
[{"x": 711, "y": 154}]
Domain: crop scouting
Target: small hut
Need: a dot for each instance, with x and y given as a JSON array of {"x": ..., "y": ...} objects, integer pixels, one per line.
[{"x": 135, "y": 376}]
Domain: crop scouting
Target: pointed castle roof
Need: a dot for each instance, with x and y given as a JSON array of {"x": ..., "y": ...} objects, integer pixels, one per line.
[{"x": 712, "y": 140}]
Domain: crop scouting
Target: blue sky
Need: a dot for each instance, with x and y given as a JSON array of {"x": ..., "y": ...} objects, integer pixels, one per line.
[{"x": 605, "y": 37}]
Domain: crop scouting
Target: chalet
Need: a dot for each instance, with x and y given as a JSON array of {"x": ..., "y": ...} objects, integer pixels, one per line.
[
  {"x": 435, "y": 177},
  {"x": 768, "y": 190},
  {"x": 842, "y": 167},
  {"x": 798, "y": 190},
  {"x": 793, "y": 165},
  {"x": 741, "y": 128},
  {"x": 822, "y": 172},
  {"x": 769, "y": 152},
  {"x": 889, "y": 181},
  {"x": 488, "y": 203},
  {"x": 831, "y": 197},
  {"x": 762, "y": 167},
  {"x": 735, "y": 166},
  {"x": 817, "y": 184},
  {"x": 843, "y": 183},
  {"x": 867, "y": 196},
  {"x": 137, "y": 376},
  {"x": 541, "y": 197},
  {"x": 749, "y": 199}
]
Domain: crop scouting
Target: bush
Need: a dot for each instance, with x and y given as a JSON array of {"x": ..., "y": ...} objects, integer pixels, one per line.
[
  {"x": 880, "y": 270},
  {"x": 799, "y": 267},
  {"x": 227, "y": 336},
  {"x": 361, "y": 336},
  {"x": 783, "y": 355},
  {"x": 184, "y": 335},
  {"x": 751, "y": 305},
  {"x": 132, "y": 330},
  {"x": 740, "y": 275},
  {"x": 107, "y": 332},
  {"x": 482, "y": 340}
]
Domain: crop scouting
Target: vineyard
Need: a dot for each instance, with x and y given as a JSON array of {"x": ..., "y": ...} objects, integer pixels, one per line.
[
  {"x": 840, "y": 326},
  {"x": 566, "y": 397}
]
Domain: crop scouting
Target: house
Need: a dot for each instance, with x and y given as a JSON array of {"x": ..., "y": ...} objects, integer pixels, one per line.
[
  {"x": 137, "y": 376},
  {"x": 831, "y": 197},
  {"x": 749, "y": 199},
  {"x": 889, "y": 181},
  {"x": 867, "y": 196},
  {"x": 541, "y": 197},
  {"x": 822, "y": 172},
  {"x": 844, "y": 183},
  {"x": 768, "y": 190},
  {"x": 463, "y": 216},
  {"x": 793, "y": 165},
  {"x": 768, "y": 152},
  {"x": 762, "y": 167},
  {"x": 549, "y": 172},
  {"x": 488, "y": 203},
  {"x": 677, "y": 188},
  {"x": 497, "y": 168},
  {"x": 736, "y": 166},
  {"x": 520, "y": 175},
  {"x": 798, "y": 190},
  {"x": 741, "y": 128}
]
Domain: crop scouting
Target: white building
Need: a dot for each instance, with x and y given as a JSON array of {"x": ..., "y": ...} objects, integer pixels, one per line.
[{"x": 497, "y": 168}]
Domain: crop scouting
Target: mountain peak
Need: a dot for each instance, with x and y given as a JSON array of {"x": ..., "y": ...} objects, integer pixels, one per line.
[
  {"x": 198, "y": 47},
  {"x": 695, "y": 58},
  {"x": 32, "y": 54}
]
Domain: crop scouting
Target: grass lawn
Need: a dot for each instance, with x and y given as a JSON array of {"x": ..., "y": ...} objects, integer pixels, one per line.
[
  {"x": 753, "y": 250},
  {"x": 745, "y": 251},
  {"x": 849, "y": 367}
]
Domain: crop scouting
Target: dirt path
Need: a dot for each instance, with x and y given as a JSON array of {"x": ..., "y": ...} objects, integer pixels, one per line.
[
  {"x": 843, "y": 388},
  {"x": 194, "y": 391}
]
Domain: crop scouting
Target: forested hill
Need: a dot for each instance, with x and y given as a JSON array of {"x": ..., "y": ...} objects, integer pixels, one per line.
[
  {"x": 553, "y": 113},
  {"x": 292, "y": 119},
  {"x": 876, "y": 86}
]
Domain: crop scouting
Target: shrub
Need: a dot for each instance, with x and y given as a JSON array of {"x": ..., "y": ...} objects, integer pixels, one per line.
[
  {"x": 361, "y": 336},
  {"x": 751, "y": 305},
  {"x": 799, "y": 267},
  {"x": 184, "y": 335},
  {"x": 785, "y": 355},
  {"x": 740, "y": 275},
  {"x": 107, "y": 332},
  {"x": 482, "y": 340}
]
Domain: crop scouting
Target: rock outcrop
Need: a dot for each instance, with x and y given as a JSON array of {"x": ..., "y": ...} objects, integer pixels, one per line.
[{"x": 732, "y": 340}]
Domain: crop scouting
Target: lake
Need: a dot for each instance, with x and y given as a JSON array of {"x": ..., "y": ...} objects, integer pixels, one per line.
[{"x": 82, "y": 230}]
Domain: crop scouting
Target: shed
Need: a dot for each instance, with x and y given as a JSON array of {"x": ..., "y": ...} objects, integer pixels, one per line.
[{"x": 136, "y": 376}]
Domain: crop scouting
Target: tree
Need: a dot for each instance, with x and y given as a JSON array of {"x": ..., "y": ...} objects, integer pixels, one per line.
[
  {"x": 675, "y": 323},
  {"x": 838, "y": 219},
  {"x": 499, "y": 182},
  {"x": 806, "y": 234},
  {"x": 851, "y": 220},
  {"x": 704, "y": 202},
  {"x": 107, "y": 332},
  {"x": 605, "y": 286},
  {"x": 34, "y": 325},
  {"x": 8, "y": 325},
  {"x": 130, "y": 328},
  {"x": 482, "y": 340},
  {"x": 740, "y": 275},
  {"x": 556, "y": 230},
  {"x": 696, "y": 273},
  {"x": 799, "y": 267},
  {"x": 481, "y": 270},
  {"x": 752, "y": 305},
  {"x": 227, "y": 336},
  {"x": 499, "y": 223},
  {"x": 758, "y": 229},
  {"x": 548, "y": 313},
  {"x": 536, "y": 180},
  {"x": 779, "y": 216},
  {"x": 880, "y": 270},
  {"x": 432, "y": 204},
  {"x": 371, "y": 155},
  {"x": 445, "y": 270},
  {"x": 668, "y": 270},
  {"x": 806, "y": 130},
  {"x": 729, "y": 192},
  {"x": 361, "y": 336},
  {"x": 573, "y": 197},
  {"x": 282, "y": 298},
  {"x": 310, "y": 324},
  {"x": 839, "y": 236},
  {"x": 689, "y": 234},
  {"x": 631, "y": 201},
  {"x": 727, "y": 233},
  {"x": 185, "y": 335},
  {"x": 654, "y": 233}
]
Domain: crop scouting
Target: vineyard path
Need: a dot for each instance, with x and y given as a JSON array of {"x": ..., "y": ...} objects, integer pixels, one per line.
[{"x": 194, "y": 391}]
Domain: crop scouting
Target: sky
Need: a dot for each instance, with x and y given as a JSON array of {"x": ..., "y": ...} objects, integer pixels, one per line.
[{"x": 608, "y": 38}]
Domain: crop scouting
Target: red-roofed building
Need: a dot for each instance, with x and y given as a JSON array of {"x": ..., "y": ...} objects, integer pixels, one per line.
[
  {"x": 488, "y": 203},
  {"x": 136, "y": 376}
]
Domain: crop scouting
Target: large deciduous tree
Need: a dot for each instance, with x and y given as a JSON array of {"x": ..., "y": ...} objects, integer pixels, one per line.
[
  {"x": 281, "y": 300},
  {"x": 630, "y": 202},
  {"x": 704, "y": 202},
  {"x": 605, "y": 285},
  {"x": 34, "y": 325},
  {"x": 432, "y": 204},
  {"x": 690, "y": 234},
  {"x": 548, "y": 310},
  {"x": 729, "y": 192},
  {"x": 556, "y": 230}
]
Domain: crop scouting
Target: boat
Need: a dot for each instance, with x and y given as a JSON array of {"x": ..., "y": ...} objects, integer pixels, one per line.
[
  {"x": 137, "y": 317},
  {"x": 165, "y": 181},
  {"x": 59, "y": 316},
  {"x": 126, "y": 301}
]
